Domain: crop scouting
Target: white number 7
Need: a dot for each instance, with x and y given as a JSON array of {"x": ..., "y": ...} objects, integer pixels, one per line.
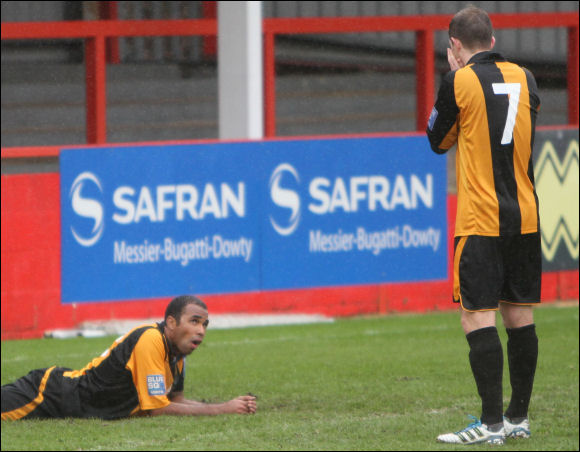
[{"x": 513, "y": 92}]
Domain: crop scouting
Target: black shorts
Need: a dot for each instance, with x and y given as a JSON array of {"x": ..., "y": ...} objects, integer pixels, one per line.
[
  {"x": 489, "y": 270},
  {"x": 41, "y": 394}
]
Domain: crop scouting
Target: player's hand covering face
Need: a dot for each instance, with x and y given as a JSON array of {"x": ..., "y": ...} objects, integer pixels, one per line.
[{"x": 453, "y": 55}]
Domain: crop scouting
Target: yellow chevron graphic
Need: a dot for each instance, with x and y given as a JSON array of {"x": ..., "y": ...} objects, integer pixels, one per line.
[{"x": 557, "y": 188}]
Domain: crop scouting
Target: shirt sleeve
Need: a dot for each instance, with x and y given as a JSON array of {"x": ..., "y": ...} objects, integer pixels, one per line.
[
  {"x": 533, "y": 90},
  {"x": 148, "y": 367},
  {"x": 442, "y": 128}
]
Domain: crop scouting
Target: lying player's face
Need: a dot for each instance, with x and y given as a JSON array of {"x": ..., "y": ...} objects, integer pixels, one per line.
[{"x": 190, "y": 332}]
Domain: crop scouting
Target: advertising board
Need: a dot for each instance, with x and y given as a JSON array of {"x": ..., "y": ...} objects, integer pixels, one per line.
[
  {"x": 153, "y": 221},
  {"x": 556, "y": 175}
]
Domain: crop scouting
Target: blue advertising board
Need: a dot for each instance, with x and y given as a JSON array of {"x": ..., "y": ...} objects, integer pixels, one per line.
[{"x": 153, "y": 221}]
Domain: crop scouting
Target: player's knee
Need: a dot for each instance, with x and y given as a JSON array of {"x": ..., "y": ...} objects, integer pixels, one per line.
[
  {"x": 514, "y": 316},
  {"x": 471, "y": 321}
]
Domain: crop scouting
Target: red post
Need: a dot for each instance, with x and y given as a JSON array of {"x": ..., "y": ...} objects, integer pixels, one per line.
[
  {"x": 573, "y": 75},
  {"x": 269, "y": 85},
  {"x": 110, "y": 11},
  {"x": 425, "y": 76},
  {"x": 96, "y": 92},
  {"x": 209, "y": 43}
]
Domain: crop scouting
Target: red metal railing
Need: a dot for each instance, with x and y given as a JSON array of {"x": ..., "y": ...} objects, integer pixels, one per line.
[
  {"x": 95, "y": 34},
  {"x": 424, "y": 28}
]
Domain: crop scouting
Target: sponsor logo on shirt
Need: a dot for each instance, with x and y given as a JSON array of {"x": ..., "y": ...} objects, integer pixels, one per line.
[{"x": 156, "y": 385}]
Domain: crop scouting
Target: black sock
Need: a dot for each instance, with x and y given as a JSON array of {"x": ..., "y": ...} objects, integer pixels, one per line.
[
  {"x": 522, "y": 359},
  {"x": 486, "y": 359}
]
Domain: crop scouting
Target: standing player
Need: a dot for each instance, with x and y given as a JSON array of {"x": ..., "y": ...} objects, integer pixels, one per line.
[
  {"x": 488, "y": 106},
  {"x": 141, "y": 373}
]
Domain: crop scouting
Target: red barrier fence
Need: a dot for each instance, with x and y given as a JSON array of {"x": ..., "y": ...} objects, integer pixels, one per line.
[
  {"x": 31, "y": 276},
  {"x": 424, "y": 28},
  {"x": 96, "y": 33}
]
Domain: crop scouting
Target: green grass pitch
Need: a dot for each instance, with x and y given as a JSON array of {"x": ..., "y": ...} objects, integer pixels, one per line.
[{"x": 373, "y": 383}]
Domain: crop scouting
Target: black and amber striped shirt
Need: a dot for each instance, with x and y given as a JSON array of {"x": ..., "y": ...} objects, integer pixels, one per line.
[
  {"x": 138, "y": 373},
  {"x": 489, "y": 109},
  {"x": 135, "y": 374}
]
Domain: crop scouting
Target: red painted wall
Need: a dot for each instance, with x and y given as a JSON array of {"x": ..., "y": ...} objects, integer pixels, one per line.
[{"x": 30, "y": 285}]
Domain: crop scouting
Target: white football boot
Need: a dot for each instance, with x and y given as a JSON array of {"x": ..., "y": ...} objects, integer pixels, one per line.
[
  {"x": 474, "y": 433},
  {"x": 521, "y": 430}
]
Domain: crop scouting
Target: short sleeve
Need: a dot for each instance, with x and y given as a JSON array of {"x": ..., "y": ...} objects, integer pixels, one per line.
[{"x": 151, "y": 374}]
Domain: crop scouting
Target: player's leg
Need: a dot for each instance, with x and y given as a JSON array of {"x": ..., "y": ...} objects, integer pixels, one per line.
[
  {"x": 516, "y": 316},
  {"x": 38, "y": 395},
  {"x": 522, "y": 352},
  {"x": 477, "y": 286},
  {"x": 21, "y": 398},
  {"x": 486, "y": 361},
  {"x": 521, "y": 291},
  {"x": 480, "y": 273}
]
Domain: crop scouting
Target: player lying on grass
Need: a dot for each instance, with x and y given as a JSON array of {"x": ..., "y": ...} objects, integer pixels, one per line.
[{"x": 142, "y": 373}]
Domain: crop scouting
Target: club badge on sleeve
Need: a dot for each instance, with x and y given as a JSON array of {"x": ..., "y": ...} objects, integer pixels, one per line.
[
  {"x": 432, "y": 118},
  {"x": 156, "y": 385}
]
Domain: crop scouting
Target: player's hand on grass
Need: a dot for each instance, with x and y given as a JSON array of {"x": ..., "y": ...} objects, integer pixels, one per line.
[{"x": 241, "y": 405}]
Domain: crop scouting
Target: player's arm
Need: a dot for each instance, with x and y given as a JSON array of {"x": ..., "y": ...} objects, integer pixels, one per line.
[
  {"x": 178, "y": 397},
  {"x": 442, "y": 128},
  {"x": 147, "y": 365},
  {"x": 534, "y": 96},
  {"x": 180, "y": 406}
]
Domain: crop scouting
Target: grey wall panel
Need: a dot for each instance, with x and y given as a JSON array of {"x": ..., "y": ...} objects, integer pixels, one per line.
[
  {"x": 166, "y": 48},
  {"x": 33, "y": 11},
  {"x": 542, "y": 45}
]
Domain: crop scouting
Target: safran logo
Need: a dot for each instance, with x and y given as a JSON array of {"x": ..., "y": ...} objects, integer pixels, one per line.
[
  {"x": 155, "y": 385},
  {"x": 557, "y": 188},
  {"x": 87, "y": 208},
  {"x": 286, "y": 198}
]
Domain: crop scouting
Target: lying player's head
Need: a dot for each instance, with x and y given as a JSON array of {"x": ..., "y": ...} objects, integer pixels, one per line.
[
  {"x": 186, "y": 320},
  {"x": 473, "y": 28},
  {"x": 176, "y": 306}
]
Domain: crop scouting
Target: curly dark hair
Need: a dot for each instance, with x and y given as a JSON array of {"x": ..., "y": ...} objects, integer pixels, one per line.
[{"x": 177, "y": 305}]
